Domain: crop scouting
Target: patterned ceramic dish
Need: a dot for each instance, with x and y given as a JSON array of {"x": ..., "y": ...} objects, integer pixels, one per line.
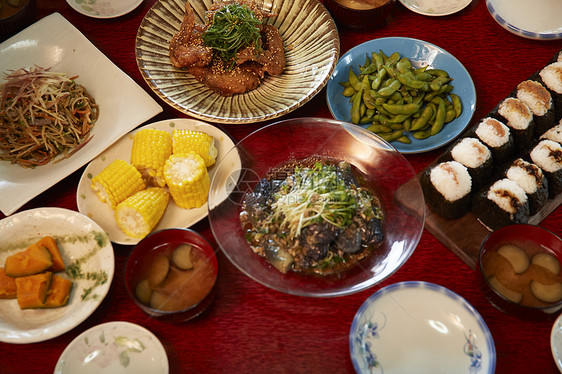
[
  {"x": 114, "y": 347},
  {"x": 418, "y": 327},
  {"x": 85, "y": 248},
  {"x": 311, "y": 48},
  {"x": 435, "y": 7},
  {"x": 539, "y": 20},
  {"x": 90, "y": 205},
  {"x": 55, "y": 42},
  {"x": 104, "y": 8}
]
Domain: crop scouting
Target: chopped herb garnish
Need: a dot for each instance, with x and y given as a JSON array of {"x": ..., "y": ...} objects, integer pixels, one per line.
[{"x": 232, "y": 28}]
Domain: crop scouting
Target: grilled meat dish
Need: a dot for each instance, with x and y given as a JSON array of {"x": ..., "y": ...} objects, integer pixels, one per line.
[{"x": 250, "y": 62}]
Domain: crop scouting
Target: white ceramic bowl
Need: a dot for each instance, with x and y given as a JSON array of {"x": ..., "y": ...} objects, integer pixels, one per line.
[{"x": 419, "y": 327}]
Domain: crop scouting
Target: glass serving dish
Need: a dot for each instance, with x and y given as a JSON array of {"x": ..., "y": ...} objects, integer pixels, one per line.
[{"x": 383, "y": 167}]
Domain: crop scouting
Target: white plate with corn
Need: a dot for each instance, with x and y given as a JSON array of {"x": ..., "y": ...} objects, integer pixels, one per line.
[{"x": 155, "y": 177}]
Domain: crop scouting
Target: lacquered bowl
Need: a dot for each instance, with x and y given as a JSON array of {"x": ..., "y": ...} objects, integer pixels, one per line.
[
  {"x": 533, "y": 239},
  {"x": 297, "y": 139},
  {"x": 161, "y": 243},
  {"x": 355, "y": 14}
]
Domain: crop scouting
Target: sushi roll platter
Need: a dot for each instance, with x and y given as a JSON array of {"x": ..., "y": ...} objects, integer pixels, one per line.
[{"x": 505, "y": 169}]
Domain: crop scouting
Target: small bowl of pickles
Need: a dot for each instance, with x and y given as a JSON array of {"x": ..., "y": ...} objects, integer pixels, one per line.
[{"x": 171, "y": 274}]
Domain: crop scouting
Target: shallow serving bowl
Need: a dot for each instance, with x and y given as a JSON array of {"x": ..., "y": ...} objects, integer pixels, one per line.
[
  {"x": 312, "y": 48},
  {"x": 360, "y": 14},
  {"x": 298, "y": 139},
  {"x": 163, "y": 242},
  {"x": 532, "y": 240}
]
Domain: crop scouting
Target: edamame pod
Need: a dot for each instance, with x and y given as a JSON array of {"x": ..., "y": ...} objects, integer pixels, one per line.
[
  {"x": 457, "y": 104},
  {"x": 439, "y": 116},
  {"x": 356, "y": 107},
  {"x": 401, "y": 109},
  {"x": 390, "y": 89}
]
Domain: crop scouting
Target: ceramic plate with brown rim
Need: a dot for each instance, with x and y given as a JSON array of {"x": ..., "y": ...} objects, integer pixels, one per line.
[{"x": 312, "y": 49}]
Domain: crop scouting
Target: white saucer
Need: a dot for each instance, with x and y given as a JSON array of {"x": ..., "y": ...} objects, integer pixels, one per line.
[
  {"x": 104, "y": 8},
  {"x": 114, "y": 348},
  {"x": 435, "y": 7}
]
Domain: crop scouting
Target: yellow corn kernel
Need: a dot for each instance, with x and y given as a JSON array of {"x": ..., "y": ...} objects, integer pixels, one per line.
[
  {"x": 187, "y": 179},
  {"x": 151, "y": 148},
  {"x": 116, "y": 182},
  {"x": 137, "y": 215},
  {"x": 203, "y": 144}
]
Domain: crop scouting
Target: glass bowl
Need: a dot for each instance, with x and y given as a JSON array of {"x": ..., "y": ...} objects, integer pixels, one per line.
[
  {"x": 384, "y": 168},
  {"x": 199, "y": 281},
  {"x": 519, "y": 299}
]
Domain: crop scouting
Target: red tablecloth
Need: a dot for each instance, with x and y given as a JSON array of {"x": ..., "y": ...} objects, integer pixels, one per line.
[{"x": 252, "y": 329}]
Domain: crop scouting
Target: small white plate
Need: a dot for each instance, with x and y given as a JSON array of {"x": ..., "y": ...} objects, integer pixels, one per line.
[
  {"x": 556, "y": 342},
  {"x": 90, "y": 205},
  {"x": 539, "y": 19},
  {"x": 435, "y": 7},
  {"x": 54, "y": 42},
  {"x": 116, "y": 348},
  {"x": 104, "y": 8},
  {"x": 419, "y": 327},
  {"x": 83, "y": 245}
]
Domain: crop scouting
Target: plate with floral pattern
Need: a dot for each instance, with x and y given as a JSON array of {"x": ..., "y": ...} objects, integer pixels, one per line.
[
  {"x": 104, "y": 8},
  {"x": 435, "y": 7},
  {"x": 419, "y": 327},
  {"x": 116, "y": 348}
]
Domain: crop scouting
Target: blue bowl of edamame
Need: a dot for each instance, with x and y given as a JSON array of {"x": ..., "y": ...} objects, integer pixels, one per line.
[{"x": 422, "y": 57}]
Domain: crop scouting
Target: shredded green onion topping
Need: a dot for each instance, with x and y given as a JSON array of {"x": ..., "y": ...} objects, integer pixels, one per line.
[
  {"x": 315, "y": 195},
  {"x": 232, "y": 28}
]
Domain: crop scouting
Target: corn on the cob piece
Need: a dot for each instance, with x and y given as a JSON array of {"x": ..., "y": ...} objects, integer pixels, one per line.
[
  {"x": 137, "y": 215},
  {"x": 116, "y": 182},
  {"x": 203, "y": 144},
  {"x": 151, "y": 148},
  {"x": 187, "y": 179}
]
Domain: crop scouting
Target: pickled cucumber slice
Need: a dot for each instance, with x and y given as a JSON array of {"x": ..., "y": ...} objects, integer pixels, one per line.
[
  {"x": 516, "y": 256},
  {"x": 182, "y": 257},
  {"x": 143, "y": 291},
  {"x": 158, "y": 270},
  {"x": 547, "y": 261},
  {"x": 549, "y": 293}
]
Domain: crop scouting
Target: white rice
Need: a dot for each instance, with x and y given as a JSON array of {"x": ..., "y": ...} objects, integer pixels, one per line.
[
  {"x": 471, "y": 153},
  {"x": 536, "y": 97},
  {"x": 552, "y": 76},
  {"x": 547, "y": 155},
  {"x": 554, "y": 133},
  {"x": 451, "y": 179},
  {"x": 503, "y": 191},
  {"x": 492, "y": 132},
  {"x": 526, "y": 175},
  {"x": 517, "y": 113}
]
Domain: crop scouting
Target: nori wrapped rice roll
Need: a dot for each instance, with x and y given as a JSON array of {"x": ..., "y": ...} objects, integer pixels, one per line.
[
  {"x": 475, "y": 156},
  {"x": 501, "y": 204},
  {"x": 446, "y": 187},
  {"x": 533, "y": 181},
  {"x": 551, "y": 76},
  {"x": 548, "y": 156},
  {"x": 554, "y": 133},
  {"x": 498, "y": 138},
  {"x": 519, "y": 118},
  {"x": 539, "y": 100}
]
